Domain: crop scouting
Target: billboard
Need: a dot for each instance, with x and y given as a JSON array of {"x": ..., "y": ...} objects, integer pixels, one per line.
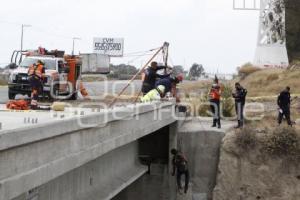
[{"x": 109, "y": 46}]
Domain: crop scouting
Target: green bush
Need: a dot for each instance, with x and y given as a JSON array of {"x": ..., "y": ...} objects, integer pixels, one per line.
[
  {"x": 227, "y": 101},
  {"x": 203, "y": 109}
]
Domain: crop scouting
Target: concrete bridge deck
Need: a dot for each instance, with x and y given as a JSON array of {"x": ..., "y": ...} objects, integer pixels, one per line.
[{"x": 70, "y": 155}]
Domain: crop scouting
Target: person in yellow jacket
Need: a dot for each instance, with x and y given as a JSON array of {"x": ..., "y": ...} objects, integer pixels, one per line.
[
  {"x": 36, "y": 74},
  {"x": 154, "y": 94}
]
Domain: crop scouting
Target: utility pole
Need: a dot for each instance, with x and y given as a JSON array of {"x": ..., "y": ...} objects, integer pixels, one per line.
[
  {"x": 74, "y": 38},
  {"x": 22, "y": 34}
]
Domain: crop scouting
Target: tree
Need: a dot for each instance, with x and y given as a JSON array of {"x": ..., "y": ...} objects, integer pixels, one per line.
[
  {"x": 196, "y": 71},
  {"x": 178, "y": 69},
  {"x": 122, "y": 71}
]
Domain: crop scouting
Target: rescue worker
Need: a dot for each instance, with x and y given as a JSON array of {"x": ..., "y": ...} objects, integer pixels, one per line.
[
  {"x": 240, "y": 99},
  {"x": 170, "y": 84},
  {"x": 180, "y": 167},
  {"x": 36, "y": 73},
  {"x": 214, "y": 99},
  {"x": 284, "y": 102},
  {"x": 149, "y": 77},
  {"x": 154, "y": 94}
]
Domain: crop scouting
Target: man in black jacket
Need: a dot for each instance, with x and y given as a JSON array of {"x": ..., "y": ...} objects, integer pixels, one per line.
[
  {"x": 150, "y": 76},
  {"x": 284, "y": 101},
  {"x": 240, "y": 99}
]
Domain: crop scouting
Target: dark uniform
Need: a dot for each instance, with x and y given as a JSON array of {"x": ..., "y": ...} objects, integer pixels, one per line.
[
  {"x": 240, "y": 99},
  {"x": 180, "y": 165},
  {"x": 167, "y": 82},
  {"x": 150, "y": 78},
  {"x": 284, "y": 101},
  {"x": 170, "y": 84},
  {"x": 36, "y": 74}
]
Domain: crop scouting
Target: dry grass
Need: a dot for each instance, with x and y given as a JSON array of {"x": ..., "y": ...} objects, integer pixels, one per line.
[
  {"x": 270, "y": 82},
  {"x": 283, "y": 141},
  {"x": 194, "y": 86},
  {"x": 93, "y": 78},
  {"x": 261, "y": 141},
  {"x": 247, "y": 69},
  {"x": 196, "y": 96},
  {"x": 3, "y": 82},
  {"x": 245, "y": 139}
]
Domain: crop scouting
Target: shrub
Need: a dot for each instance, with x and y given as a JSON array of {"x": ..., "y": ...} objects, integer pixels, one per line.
[
  {"x": 203, "y": 110},
  {"x": 272, "y": 77},
  {"x": 245, "y": 138},
  {"x": 227, "y": 101},
  {"x": 283, "y": 142},
  {"x": 247, "y": 69}
]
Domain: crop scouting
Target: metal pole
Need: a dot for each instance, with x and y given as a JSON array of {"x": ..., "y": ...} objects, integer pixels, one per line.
[
  {"x": 73, "y": 46},
  {"x": 22, "y": 37}
]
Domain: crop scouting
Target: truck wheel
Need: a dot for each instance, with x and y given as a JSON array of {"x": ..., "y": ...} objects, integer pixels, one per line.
[
  {"x": 74, "y": 96},
  {"x": 11, "y": 95}
]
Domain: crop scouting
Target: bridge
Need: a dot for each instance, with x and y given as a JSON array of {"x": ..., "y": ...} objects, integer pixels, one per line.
[
  {"x": 85, "y": 153},
  {"x": 81, "y": 154}
]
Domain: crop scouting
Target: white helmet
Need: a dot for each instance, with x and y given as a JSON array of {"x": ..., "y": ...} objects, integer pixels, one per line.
[{"x": 161, "y": 88}]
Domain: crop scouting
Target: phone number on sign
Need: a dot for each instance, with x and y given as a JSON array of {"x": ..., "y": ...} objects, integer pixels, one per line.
[{"x": 108, "y": 46}]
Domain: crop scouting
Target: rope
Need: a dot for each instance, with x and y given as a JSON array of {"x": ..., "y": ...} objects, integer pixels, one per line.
[{"x": 140, "y": 52}]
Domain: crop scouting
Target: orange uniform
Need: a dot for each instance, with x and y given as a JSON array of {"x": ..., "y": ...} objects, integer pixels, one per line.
[
  {"x": 215, "y": 94},
  {"x": 214, "y": 98},
  {"x": 36, "y": 74}
]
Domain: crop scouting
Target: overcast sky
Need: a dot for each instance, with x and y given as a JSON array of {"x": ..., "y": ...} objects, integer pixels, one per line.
[{"x": 209, "y": 32}]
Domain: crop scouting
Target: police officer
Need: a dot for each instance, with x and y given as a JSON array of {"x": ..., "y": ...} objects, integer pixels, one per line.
[
  {"x": 36, "y": 73},
  {"x": 149, "y": 77},
  {"x": 284, "y": 102},
  {"x": 240, "y": 98},
  {"x": 214, "y": 99}
]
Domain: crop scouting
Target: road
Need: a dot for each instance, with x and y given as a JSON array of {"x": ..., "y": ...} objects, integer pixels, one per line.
[{"x": 95, "y": 88}]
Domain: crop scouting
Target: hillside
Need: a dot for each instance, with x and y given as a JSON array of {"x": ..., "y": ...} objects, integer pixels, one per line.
[
  {"x": 260, "y": 164},
  {"x": 270, "y": 82}
]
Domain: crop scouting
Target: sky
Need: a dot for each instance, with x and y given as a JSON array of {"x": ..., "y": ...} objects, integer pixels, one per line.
[{"x": 208, "y": 32}]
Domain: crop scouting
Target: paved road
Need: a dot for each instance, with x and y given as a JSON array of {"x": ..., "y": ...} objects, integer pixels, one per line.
[
  {"x": 3, "y": 94},
  {"x": 95, "y": 88}
]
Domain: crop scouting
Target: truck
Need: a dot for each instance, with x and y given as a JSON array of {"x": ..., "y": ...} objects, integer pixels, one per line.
[
  {"x": 93, "y": 63},
  {"x": 62, "y": 73}
]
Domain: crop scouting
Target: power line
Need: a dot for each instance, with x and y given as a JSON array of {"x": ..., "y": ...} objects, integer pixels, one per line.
[{"x": 140, "y": 52}]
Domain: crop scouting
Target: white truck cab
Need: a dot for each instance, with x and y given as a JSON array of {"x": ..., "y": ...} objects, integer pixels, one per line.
[{"x": 18, "y": 80}]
